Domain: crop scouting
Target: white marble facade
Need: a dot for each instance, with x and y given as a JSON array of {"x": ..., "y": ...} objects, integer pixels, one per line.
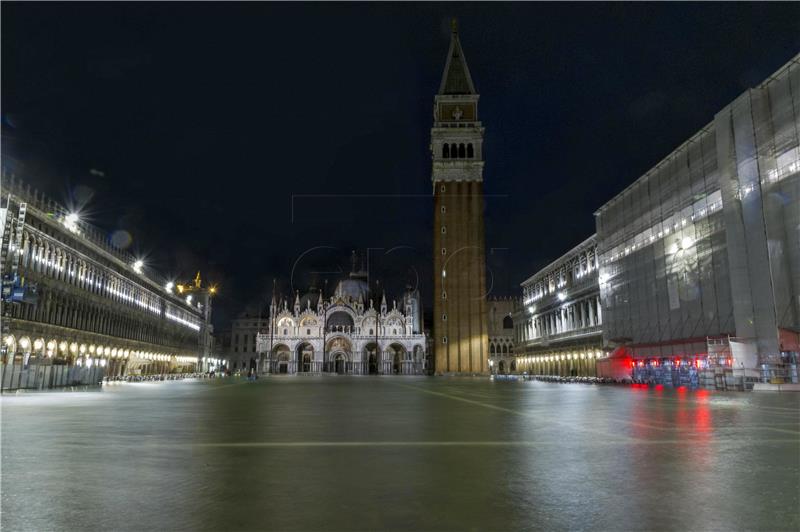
[{"x": 345, "y": 333}]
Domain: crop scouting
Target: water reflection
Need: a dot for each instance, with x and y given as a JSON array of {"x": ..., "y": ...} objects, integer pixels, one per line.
[{"x": 401, "y": 453}]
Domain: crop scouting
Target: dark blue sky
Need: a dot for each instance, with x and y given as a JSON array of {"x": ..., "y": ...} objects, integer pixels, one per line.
[{"x": 210, "y": 121}]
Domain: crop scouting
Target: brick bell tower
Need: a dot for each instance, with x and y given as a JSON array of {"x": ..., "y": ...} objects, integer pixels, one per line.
[{"x": 459, "y": 321}]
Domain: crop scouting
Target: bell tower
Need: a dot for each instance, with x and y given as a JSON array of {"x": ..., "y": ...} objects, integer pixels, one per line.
[{"x": 459, "y": 321}]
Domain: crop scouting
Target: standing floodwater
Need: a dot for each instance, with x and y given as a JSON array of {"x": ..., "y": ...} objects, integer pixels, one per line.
[{"x": 340, "y": 453}]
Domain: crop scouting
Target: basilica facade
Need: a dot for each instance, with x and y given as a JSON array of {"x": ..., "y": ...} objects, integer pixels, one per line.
[{"x": 350, "y": 332}]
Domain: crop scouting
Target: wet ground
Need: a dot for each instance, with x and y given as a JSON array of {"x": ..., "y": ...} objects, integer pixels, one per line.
[{"x": 367, "y": 453}]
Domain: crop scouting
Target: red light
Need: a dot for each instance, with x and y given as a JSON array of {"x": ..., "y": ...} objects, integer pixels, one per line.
[
  {"x": 641, "y": 364},
  {"x": 655, "y": 363},
  {"x": 730, "y": 361},
  {"x": 677, "y": 361},
  {"x": 698, "y": 362}
]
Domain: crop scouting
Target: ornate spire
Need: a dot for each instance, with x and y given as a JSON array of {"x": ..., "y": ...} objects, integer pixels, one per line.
[
  {"x": 297, "y": 302},
  {"x": 456, "y": 79}
]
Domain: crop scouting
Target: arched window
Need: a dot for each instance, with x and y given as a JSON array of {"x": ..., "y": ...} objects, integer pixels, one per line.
[
  {"x": 372, "y": 331},
  {"x": 285, "y": 332},
  {"x": 445, "y": 151},
  {"x": 462, "y": 151},
  {"x": 508, "y": 323},
  {"x": 470, "y": 151},
  {"x": 491, "y": 349}
]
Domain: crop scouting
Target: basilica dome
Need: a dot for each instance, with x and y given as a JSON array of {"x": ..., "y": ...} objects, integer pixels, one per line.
[{"x": 353, "y": 288}]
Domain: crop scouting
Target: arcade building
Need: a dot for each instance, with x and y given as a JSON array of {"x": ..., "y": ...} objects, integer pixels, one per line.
[{"x": 76, "y": 309}]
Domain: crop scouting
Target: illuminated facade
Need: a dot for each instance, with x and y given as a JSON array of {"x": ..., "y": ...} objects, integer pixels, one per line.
[
  {"x": 75, "y": 309},
  {"x": 558, "y": 328},
  {"x": 700, "y": 257},
  {"x": 349, "y": 332},
  {"x": 459, "y": 326},
  {"x": 501, "y": 334}
]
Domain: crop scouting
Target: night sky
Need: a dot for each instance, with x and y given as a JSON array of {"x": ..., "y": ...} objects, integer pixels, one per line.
[{"x": 237, "y": 138}]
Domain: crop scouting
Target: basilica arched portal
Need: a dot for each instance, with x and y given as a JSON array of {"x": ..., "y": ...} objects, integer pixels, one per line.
[
  {"x": 339, "y": 352},
  {"x": 396, "y": 357},
  {"x": 305, "y": 358},
  {"x": 281, "y": 359},
  {"x": 371, "y": 359}
]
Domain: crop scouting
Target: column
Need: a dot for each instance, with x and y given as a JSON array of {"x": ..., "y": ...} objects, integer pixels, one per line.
[{"x": 599, "y": 311}]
